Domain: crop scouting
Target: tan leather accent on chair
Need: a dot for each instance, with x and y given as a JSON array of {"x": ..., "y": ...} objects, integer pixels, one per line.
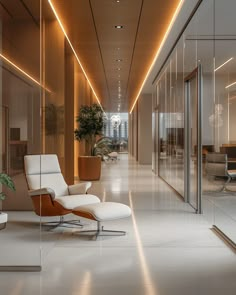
[
  {"x": 45, "y": 206},
  {"x": 84, "y": 214}
]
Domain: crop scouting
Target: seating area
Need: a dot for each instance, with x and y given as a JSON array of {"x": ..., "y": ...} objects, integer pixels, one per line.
[
  {"x": 51, "y": 196},
  {"x": 217, "y": 167}
]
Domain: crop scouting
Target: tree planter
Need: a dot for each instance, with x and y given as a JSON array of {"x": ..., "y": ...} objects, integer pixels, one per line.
[
  {"x": 89, "y": 168},
  {"x": 3, "y": 220},
  {"x": 90, "y": 125}
]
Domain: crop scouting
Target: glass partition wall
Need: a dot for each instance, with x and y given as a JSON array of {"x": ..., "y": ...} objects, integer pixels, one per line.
[
  {"x": 20, "y": 130},
  {"x": 222, "y": 116},
  {"x": 208, "y": 41},
  {"x": 42, "y": 87}
]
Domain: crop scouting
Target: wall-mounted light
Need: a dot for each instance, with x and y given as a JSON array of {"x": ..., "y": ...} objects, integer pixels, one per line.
[{"x": 223, "y": 64}]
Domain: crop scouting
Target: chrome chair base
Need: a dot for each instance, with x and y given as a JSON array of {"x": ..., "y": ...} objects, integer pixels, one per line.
[
  {"x": 223, "y": 189},
  {"x": 62, "y": 223},
  {"x": 3, "y": 225},
  {"x": 100, "y": 231}
]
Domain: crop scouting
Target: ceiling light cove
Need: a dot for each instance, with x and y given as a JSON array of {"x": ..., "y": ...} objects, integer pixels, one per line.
[
  {"x": 23, "y": 72},
  {"x": 73, "y": 50},
  {"x": 230, "y": 85},
  {"x": 158, "y": 51},
  {"x": 219, "y": 67}
]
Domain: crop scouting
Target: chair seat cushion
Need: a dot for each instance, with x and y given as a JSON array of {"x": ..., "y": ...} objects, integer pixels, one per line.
[
  {"x": 104, "y": 211},
  {"x": 73, "y": 201}
]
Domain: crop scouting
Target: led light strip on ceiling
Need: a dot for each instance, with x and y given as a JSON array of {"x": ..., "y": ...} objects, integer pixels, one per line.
[
  {"x": 219, "y": 67},
  {"x": 22, "y": 71},
  {"x": 230, "y": 85},
  {"x": 158, "y": 51},
  {"x": 72, "y": 48}
]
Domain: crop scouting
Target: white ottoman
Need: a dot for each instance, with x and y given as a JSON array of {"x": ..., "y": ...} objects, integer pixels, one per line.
[{"x": 101, "y": 212}]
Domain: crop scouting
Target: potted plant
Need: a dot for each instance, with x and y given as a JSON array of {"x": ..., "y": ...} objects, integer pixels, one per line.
[
  {"x": 7, "y": 181},
  {"x": 103, "y": 147},
  {"x": 90, "y": 125}
]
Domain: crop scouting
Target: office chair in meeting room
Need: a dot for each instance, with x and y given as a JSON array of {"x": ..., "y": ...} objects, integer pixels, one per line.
[
  {"x": 50, "y": 194},
  {"x": 217, "y": 166}
]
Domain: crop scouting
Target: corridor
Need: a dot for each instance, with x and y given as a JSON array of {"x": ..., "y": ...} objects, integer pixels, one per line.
[{"x": 168, "y": 249}]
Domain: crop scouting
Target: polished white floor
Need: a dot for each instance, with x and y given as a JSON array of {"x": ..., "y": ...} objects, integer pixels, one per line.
[{"x": 168, "y": 249}]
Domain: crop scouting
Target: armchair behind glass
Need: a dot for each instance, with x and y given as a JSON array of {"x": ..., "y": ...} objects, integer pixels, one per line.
[{"x": 217, "y": 167}]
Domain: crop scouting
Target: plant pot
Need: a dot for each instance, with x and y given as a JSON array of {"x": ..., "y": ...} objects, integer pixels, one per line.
[
  {"x": 89, "y": 168},
  {"x": 3, "y": 220}
]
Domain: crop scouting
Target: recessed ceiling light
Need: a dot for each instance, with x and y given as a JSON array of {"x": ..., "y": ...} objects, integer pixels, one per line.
[
  {"x": 119, "y": 27},
  {"x": 119, "y": 59}
]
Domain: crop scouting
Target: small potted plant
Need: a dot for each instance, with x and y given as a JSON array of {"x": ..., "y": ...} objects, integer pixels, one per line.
[
  {"x": 6, "y": 181},
  {"x": 90, "y": 126}
]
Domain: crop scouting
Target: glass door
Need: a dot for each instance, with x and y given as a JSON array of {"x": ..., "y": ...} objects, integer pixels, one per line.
[{"x": 193, "y": 156}]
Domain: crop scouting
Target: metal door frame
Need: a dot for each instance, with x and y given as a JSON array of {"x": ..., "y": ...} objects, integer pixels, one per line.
[{"x": 196, "y": 73}]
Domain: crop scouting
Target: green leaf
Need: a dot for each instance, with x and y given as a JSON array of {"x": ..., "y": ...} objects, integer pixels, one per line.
[
  {"x": 90, "y": 124},
  {"x": 2, "y": 196},
  {"x": 7, "y": 181}
]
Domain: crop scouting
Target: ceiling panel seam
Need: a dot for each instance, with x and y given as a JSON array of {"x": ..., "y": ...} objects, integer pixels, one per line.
[
  {"x": 30, "y": 13},
  {"x": 99, "y": 46},
  {"x": 135, "y": 39},
  {"x": 7, "y": 11}
]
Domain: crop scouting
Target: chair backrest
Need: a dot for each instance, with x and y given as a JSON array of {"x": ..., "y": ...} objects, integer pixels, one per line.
[
  {"x": 216, "y": 164},
  {"x": 44, "y": 171}
]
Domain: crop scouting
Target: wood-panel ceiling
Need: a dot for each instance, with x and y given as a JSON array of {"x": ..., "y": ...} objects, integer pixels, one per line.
[{"x": 90, "y": 25}]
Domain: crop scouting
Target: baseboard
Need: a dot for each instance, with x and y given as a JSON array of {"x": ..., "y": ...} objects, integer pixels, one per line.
[
  {"x": 20, "y": 268},
  {"x": 224, "y": 237}
]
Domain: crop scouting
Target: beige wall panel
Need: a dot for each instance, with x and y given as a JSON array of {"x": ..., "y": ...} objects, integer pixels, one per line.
[
  {"x": 54, "y": 69},
  {"x": 69, "y": 118},
  {"x": 144, "y": 129}
]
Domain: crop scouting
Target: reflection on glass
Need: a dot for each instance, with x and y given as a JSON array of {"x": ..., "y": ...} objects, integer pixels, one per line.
[
  {"x": 217, "y": 57},
  {"x": 171, "y": 122},
  {"x": 148, "y": 282},
  {"x": 221, "y": 118},
  {"x": 20, "y": 126},
  {"x": 193, "y": 116}
]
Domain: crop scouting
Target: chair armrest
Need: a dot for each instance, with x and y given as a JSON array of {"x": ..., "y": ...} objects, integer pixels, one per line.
[
  {"x": 79, "y": 188},
  {"x": 42, "y": 191}
]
